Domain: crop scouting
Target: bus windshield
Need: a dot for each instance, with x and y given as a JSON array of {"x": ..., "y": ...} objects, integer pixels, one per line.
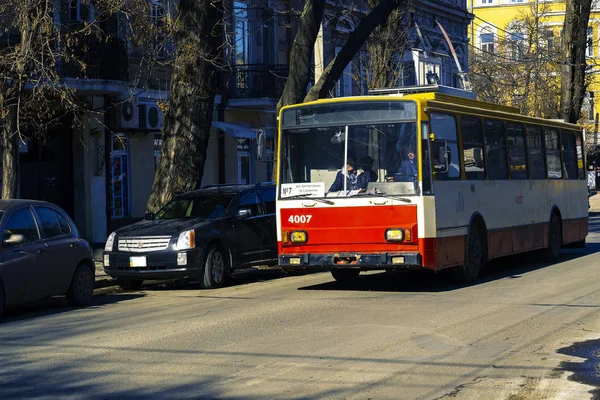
[{"x": 348, "y": 160}]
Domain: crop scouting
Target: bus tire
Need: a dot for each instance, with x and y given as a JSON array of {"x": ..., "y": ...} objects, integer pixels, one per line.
[
  {"x": 474, "y": 258},
  {"x": 345, "y": 275},
  {"x": 552, "y": 252}
]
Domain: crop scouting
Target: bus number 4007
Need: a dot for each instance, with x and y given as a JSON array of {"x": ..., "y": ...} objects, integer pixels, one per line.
[{"x": 299, "y": 219}]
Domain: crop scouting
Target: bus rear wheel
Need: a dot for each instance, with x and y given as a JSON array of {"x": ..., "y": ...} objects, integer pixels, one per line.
[
  {"x": 345, "y": 275},
  {"x": 474, "y": 259},
  {"x": 552, "y": 252}
]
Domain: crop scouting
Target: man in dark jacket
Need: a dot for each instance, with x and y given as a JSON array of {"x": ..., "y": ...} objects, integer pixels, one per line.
[
  {"x": 368, "y": 174},
  {"x": 351, "y": 178}
]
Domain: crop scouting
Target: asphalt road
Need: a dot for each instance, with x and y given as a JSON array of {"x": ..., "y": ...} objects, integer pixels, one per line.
[{"x": 519, "y": 333}]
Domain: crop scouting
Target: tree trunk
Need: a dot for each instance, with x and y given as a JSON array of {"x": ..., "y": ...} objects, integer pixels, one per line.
[
  {"x": 301, "y": 55},
  {"x": 10, "y": 155},
  {"x": 189, "y": 116},
  {"x": 574, "y": 43},
  {"x": 353, "y": 44}
]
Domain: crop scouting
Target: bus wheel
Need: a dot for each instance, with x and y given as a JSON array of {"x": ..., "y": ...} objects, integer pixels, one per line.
[
  {"x": 552, "y": 252},
  {"x": 474, "y": 259},
  {"x": 345, "y": 275}
]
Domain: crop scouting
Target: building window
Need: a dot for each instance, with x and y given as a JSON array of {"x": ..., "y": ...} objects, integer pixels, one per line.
[
  {"x": 78, "y": 11},
  {"x": 119, "y": 161},
  {"x": 242, "y": 31},
  {"x": 548, "y": 41},
  {"x": 486, "y": 39},
  {"x": 157, "y": 145},
  {"x": 516, "y": 1},
  {"x": 589, "y": 51},
  {"x": 486, "y": 1},
  {"x": 517, "y": 45},
  {"x": 343, "y": 87}
]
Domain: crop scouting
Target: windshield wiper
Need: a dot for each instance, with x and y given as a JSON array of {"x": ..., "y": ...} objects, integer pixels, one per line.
[
  {"x": 305, "y": 196},
  {"x": 380, "y": 194}
]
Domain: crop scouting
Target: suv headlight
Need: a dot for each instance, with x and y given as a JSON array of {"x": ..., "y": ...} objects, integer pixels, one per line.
[
  {"x": 186, "y": 240},
  {"x": 110, "y": 242}
]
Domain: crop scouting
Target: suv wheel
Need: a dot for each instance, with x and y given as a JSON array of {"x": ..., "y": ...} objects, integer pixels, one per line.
[{"x": 214, "y": 271}]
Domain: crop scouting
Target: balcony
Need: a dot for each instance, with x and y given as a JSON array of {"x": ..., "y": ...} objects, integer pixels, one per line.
[
  {"x": 252, "y": 81},
  {"x": 106, "y": 61}
]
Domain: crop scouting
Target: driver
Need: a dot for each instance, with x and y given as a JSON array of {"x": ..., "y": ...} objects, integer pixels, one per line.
[{"x": 351, "y": 178}]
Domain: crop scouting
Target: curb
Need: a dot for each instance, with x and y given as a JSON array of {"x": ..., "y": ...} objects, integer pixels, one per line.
[{"x": 104, "y": 282}]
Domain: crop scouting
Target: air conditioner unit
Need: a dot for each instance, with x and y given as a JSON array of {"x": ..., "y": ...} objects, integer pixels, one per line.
[
  {"x": 151, "y": 117},
  {"x": 128, "y": 113}
]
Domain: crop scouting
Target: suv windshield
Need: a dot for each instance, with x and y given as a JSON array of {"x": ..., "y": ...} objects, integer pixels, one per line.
[
  {"x": 195, "y": 207},
  {"x": 368, "y": 151}
]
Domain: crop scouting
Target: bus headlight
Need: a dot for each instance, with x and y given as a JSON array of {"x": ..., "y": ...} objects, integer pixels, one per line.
[
  {"x": 394, "y": 235},
  {"x": 298, "y": 236}
]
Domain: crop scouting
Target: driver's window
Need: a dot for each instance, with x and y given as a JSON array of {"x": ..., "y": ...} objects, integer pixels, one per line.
[
  {"x": 250, "y": 201},
  {"x": 446, "y": 162},
  {"x": 21, "y": 222}
]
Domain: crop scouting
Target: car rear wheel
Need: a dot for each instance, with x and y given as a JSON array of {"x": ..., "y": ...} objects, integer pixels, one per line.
[
  {"x": 214, "y": 271},
  {"x": 129, "y": 284},
  {"x": 81, "y": 290},
  {"x": 345, "y": 275}
]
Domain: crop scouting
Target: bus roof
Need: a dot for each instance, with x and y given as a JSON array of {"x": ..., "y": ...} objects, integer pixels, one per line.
[{"x": 442, "y": 100}]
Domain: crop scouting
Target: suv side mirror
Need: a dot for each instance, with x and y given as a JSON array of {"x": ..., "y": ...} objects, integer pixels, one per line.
[
  {"x": 14, "y": 239},
  {"x": 149, "y": 216},
  {"x": 260, "y": 144},
  {"x": 243, "y": 213}
]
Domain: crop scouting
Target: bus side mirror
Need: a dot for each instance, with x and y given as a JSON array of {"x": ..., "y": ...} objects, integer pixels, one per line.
[{"x": 260, "y": 144}]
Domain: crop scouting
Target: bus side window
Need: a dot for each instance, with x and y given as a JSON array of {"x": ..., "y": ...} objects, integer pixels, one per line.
[
  {"x": 445, "y": 146},
  {"x": 579, "y": 144},
  {"x": 472, "y": 137},
  {"x": 517, "y": 161},
  {"x": 569, "y": 154},
  {"x": 535, "y": 149},
  {"x": 495, "y": 149},
  {"x": 552, "y": 153}
]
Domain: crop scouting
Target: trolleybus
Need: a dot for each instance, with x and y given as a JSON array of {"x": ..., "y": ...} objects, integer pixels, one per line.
[{"x": 424, "y": 178}]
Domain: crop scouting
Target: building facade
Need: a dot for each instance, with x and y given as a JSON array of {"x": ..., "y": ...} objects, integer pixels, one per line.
[{"x": 509, "y": 23}]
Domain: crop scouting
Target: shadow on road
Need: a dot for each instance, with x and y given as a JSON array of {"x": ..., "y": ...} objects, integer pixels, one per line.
[
  {"x": 241, "y": 278},
  {"x": 511, "y": 267},
  {"x": 59, "y": 305}
]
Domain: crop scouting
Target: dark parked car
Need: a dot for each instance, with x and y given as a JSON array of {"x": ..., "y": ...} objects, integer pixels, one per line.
[
  {"x": 42, "y": 255},
  {"x": 207, "y": 233}
]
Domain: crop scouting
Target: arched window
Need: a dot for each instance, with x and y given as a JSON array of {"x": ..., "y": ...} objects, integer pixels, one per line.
[{"x": 486, "y": 40}]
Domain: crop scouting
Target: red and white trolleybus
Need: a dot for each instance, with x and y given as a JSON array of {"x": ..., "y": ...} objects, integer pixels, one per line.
[{"x": 427, "y": 179}]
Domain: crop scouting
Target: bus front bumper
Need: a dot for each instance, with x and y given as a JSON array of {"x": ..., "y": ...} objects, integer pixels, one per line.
[{"x": 375, "y": 261}]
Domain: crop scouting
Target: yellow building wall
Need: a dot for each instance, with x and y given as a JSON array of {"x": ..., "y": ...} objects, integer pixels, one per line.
[{"x": 501, "y": 13}]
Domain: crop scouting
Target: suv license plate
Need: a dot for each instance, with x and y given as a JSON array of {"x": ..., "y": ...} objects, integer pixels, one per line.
[{"x": 137, "y": 261}]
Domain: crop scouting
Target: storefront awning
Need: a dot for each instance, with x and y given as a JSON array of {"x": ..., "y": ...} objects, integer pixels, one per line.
[{"x": 237, "y": 131}]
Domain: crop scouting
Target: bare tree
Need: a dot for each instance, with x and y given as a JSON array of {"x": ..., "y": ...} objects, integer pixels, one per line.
[
  {"x": 198, "y": 34},
  {"x": 37, "y": 53},
  {"x": 574, "y": 43},
  {"x": 384, "y": 50},
  {"x": 523, "y": 68}
]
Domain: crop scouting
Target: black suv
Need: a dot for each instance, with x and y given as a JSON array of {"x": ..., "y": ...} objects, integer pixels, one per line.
[{"x": 207, "y": 233}]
